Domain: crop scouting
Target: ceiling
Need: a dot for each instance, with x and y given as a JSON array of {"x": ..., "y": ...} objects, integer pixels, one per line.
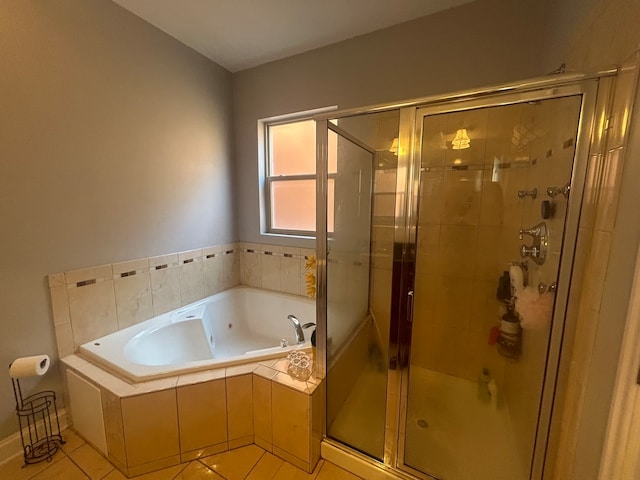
[{"x": 240, "y": 34}]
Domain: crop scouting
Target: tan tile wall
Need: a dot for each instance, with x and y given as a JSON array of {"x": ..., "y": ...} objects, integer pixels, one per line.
[
  {"x": 382, "y": 251},
  {"x": 92, "y": 302},
  {"x": 202, "y": 416},
  {"x": 240, "y": 410},
  {"x": 344, "y": 370},
  {"x": 151, "y": 429},
  {"x": 595, "y": 238},
  {"x": 262, "y": 412},
  {"x": 274, "y": 267},
  {"x": 468, "y": 233}
]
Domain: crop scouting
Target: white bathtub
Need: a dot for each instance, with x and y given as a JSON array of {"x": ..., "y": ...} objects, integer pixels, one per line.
[{"x": 239, "y": 325}]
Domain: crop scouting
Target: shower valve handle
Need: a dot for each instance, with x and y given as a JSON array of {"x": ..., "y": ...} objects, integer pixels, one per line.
[
  {"x": 528, "y": 251},
  {"x": 533, "y": 232}
]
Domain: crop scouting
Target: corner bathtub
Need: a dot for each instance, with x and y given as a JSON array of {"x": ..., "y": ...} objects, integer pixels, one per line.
[{"x": 236, "y": 326}]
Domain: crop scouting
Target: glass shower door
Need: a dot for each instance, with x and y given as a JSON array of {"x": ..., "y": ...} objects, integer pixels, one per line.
[
  {"x": 357, "y": 316},
  {"x": 493, "y": 196}
]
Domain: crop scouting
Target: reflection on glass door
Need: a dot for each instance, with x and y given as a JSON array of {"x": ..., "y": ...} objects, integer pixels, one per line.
[
  {"x": 358, "y": 279},
  {"x": 491, "y": 216}
]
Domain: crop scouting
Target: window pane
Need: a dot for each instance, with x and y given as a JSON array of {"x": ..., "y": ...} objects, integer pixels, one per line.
[
  {"x": 293, "y": 148},
  {"x": 293, "y": 205}
]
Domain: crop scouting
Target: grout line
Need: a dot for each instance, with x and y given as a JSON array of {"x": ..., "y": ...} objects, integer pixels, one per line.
[
  {"x": 319, "y": 467},
  {"x": 216, "y": 475},
  {"x": 256, "y": 464},
  {"x": 175, "y": 395},
  {"x": 184, "y": 466},
  {"x": 81, "y": 469},
  {"x": 50, "y": 464}
]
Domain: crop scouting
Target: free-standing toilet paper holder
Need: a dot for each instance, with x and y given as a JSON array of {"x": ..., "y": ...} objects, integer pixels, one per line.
[{"x": 39, "y": 424}]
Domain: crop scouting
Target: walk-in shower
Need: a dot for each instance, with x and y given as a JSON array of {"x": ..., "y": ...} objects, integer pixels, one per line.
[{"x": 443, "y": 286}]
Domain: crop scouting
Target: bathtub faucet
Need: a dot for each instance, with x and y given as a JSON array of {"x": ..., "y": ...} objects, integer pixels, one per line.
[{"x": 299, "y": 328}]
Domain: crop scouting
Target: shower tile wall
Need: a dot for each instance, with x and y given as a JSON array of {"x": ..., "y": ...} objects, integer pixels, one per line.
[
  {"x": 382, "y": 251},
  {"x": 470, "y": 214},
  {"x": 469, "y": 218},
  {"x": 554, "y": 152},
  {"x": 466, "y": 221},
  {"x": 92, "y": 302},
  {"x": 604, "y": 177}
]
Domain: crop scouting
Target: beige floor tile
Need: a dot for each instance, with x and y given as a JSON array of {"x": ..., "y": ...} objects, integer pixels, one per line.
[
  {"x": 266, "y": 467},
  {"x": 331, "y": 472},
  {"x": 64, "y": 469},
  {"x": 290, "y": 472},
  {"x": 198, "y": 471},
  {"x": 164, "y": 474},
  {"x": 13, "y": 468},
  {"x": 72, "y": 441},
  {"x": 115, "y": 475},
  {"x": 91, "y": 462},
  {"x": 234, "y": 464}
]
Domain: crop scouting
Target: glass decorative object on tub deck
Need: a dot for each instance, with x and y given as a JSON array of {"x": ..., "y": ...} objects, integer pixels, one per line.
[{"x": 421, "y": 234}]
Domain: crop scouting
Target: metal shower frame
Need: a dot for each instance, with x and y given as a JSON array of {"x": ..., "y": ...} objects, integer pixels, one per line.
[{"x": 408, "y": 179}]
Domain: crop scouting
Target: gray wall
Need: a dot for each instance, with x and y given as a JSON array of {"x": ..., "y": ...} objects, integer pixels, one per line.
[
  {"x": 115, "y": 144},
  {"x": 481, "y": 43}
]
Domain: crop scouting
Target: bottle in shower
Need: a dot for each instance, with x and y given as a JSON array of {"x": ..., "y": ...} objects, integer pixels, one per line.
[
  {"x": 510, "y": 337},
  {"x": 483, "y": 386}
]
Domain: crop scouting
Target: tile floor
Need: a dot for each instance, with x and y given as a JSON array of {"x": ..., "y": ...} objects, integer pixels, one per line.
[{"x": 80, "y": 461}]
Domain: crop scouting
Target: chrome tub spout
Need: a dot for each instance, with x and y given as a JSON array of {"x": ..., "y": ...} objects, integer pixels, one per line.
[{"x": 299, "y": 328}]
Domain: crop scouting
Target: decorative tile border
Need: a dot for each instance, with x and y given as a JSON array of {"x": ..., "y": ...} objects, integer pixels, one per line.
[
  {"x": 92, "y": 275},
  {"x": 276, "y": 250},
  {"x": 91, "y": 302},
  {"x": 274, "y": 267}
]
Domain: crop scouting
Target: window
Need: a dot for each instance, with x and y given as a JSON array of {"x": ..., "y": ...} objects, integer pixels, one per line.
[{"x": 290, "y": 177}]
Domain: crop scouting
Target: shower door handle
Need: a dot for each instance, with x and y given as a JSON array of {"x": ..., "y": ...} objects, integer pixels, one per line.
[{"x": 410, "y": 306}]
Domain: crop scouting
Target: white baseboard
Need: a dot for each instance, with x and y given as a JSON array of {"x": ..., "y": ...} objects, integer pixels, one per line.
[{"x": 12, "y": 445}]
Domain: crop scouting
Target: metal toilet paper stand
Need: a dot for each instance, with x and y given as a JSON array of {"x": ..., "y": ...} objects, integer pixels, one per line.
[{"x": 40, "y": 436}]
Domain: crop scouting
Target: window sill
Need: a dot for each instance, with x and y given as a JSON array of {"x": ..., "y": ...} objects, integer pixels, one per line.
[{"x": 301, "y": 241}]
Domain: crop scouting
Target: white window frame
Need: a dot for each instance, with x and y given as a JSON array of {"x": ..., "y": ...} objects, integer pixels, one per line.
[{"x": 266, "y": 179}]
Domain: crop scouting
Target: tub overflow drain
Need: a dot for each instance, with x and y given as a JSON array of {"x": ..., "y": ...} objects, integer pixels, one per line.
[{"x": 422, "y": 423}]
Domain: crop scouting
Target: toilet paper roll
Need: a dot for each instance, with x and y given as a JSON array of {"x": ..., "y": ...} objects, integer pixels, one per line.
[{"x": 29, "y": 366}]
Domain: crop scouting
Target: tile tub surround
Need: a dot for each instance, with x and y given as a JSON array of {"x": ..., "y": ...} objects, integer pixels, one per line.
[
  {"x": 92, "y": 302},
  {"x": 153, "y": 425},
  {"x": 274, "y": 267}
]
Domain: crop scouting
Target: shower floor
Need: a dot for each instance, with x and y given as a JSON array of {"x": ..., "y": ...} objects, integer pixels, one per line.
[{"x": 450, "y": 434}]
